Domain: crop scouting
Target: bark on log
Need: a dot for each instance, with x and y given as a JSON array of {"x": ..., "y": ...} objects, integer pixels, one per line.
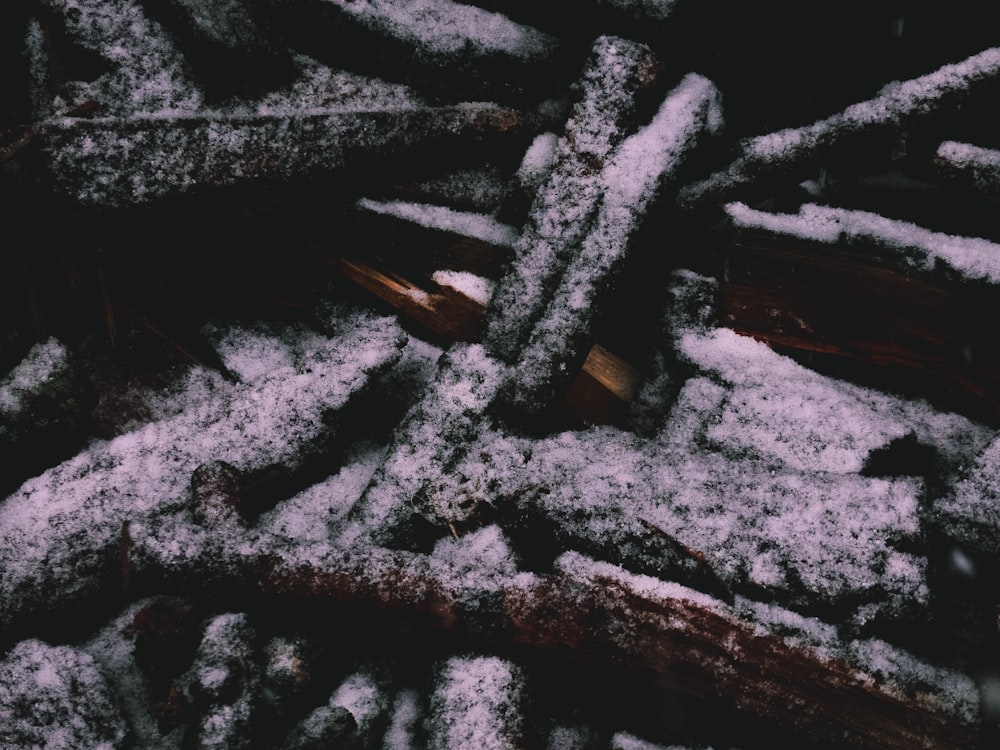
[
  {"x": 133, "y": 160},
  {"x": 597, "y": 613},
  {"x": 969, "y": 167},
  {"x": 877, "y": 293},
  {"x": 790, "y": 155},
  {"x": 636, "y": 173},
  {"x": 617, "y": 76}
]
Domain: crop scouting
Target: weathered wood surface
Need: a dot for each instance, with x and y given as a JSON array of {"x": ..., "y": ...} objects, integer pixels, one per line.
[
  {"x": 854, "y": 302},
  {"x": 599, "y": 614}
]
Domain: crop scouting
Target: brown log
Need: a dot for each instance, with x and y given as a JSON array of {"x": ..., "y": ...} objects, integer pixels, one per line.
[
  {"x": 603, "y": 390},
  {"x": 861, "y": 301},
  {"x": 599, "y": 614}
]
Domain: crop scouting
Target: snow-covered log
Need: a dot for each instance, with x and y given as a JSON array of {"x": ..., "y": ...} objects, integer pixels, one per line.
[
  {"x": 634, "y": 176},
  {"x": 970, "y": 167},
  {"x": 125, "y": 161},
  {"x": 755, "y": 657},
  {"x": 449, "y": 46},
  {"x": 888, "y": 293},
  {"x": 793, "y": 153},
  {"x": 617, "y": 75},
  {"x": 77, "y": 513}
]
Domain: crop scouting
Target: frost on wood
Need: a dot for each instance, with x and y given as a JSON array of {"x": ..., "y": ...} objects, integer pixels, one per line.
[
  {"x": 795, "y": 152},
  {"x": 970, "y": 166},
  {"x": 222, "y": 681},
  {"x": 971, "y": 512},
  {"x": 43, "y": 391},
  {"x": 690, "y": 306},
  {"x": 60, "y": 532},
  {"x": 124, "y": 161},
  {"x": 616, "y": 75},
  {"x": 466, "y": 224},
  {"x": 779, "y": 410},
  {"x": 148, "y": 73},
  {"x": 446, "y": 32},
  {"x": 404, "y": 726},
  {"x": 55, "y": 697},
  {"x": 477, "y": 703},
  {"x": 913, "y": 247},
  {"x": 433, "y": 435},
  {"x": 631, "y": 180},
  {"x": 114, "y": 650},
  {"x": 363, "y": 695},
  {"x": 809, "y": 539}
]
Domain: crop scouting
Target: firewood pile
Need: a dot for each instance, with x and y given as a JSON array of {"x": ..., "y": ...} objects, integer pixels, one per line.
[{"x": 414, "y": 373}]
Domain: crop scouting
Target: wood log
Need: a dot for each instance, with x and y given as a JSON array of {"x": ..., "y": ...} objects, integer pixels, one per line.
[
  {"x": 790, "y": 155},
  {"x": 970, "y": 168},
  {"x": 874, "y": 291},
  {"x": 478, "y": 702},
  {"x": 75, "y": 511},
  {"x": 451, "y": 49},
  {"x": 597, "y": 613},
  {"x": 604, "y": 388},
  {"x": 618, "y": 75},
  {"x": 229, "y": 48},
  {"x": 134, "y": 160},
  {"x": 636, "y": 173},
  {"x": 606, "y": 381},
  {"x": 447, "y": 313}
]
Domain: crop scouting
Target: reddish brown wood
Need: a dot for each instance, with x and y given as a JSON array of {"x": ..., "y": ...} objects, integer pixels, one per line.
[
  {"x": 845, "y": 301},
  {"x": 685, "y": 640}
]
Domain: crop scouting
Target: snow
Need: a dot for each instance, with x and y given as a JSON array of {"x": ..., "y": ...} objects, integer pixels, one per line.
[
  {"x": 566, "y": 201},
  {"x": 630, "y": 181},
  {"x": 477, "y": 288},
  {"x": 55, "y": 698},
  {"x": 793, "y": 150},
  {"x": 74, "y": 513},
  {"x": 466, "y": 224},
  {"x": 570, "y": 738},
  {"x": 538, "y": 161},
  {"x": 916, "y": 247},
  {"x": 477, "y": 703},
  {"x": 403, "y": 728},
  {"x": 627, "y": 741},
  {"x": 46, "y": 363},
  {"x": 778, "y": 409},
  {"x": 970, "y": 513},
  {"x": 482, "y": 189},
  {"x": 148, "y": 72},
  {"x": 365, "y": 698},
  {"x": 432, "y": 435},
  {"x": 313, "y": 515},
  {"x": 478, "y": 562},
  {"x": 966, "y": 155},
  {"x": 806, "y": 539},
  {"x": 445, "y": 29},
  {"x": 979, "y": 165},
  {"x": 113, "y": 650}
]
